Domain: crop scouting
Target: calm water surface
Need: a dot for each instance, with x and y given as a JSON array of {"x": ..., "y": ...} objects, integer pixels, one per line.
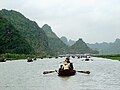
[{"x": 20, "y": 75}]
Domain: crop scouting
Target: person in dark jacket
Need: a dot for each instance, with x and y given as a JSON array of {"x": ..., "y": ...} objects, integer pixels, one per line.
[{"x": 70, "y": 65}]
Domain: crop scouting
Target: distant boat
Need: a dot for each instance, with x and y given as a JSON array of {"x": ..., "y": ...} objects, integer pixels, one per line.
[
  {"x": 78, "y": 57},
  {"x": 41, "y": 58},
  {"x": 56, "y": 57},
  {"x": 29, "y": 60},
  {"x": 35, "y": 59},
  {"x": 87, "y": 59},
  {"x": 73, "y": 56},
  {"x": 2, "y": 60}
]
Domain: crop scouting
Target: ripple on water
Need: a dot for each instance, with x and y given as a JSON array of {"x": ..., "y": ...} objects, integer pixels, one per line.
[{"x": 20, "y": 75}]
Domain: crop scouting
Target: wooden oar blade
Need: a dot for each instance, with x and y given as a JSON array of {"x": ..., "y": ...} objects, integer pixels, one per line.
[
  {"x": 47, "y": 72},
  {"x": 87, "y": 72}
]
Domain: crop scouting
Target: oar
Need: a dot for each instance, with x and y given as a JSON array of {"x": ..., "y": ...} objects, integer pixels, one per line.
[
  {"x": 86, "y": 72},
  {"x": 47, "y": 72}
]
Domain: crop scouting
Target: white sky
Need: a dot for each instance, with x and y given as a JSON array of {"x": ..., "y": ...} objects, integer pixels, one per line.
[{"x": 92, "y": 20}]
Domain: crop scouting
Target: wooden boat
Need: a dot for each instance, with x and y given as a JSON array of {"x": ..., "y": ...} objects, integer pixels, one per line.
[
  {"x": 29, "y": 60},
  {"x": 56, "y": 57},
  {"x": 67, "y": 72},
  {"x": 2, "y": 60},
  {"x": 35, "y": 59},
  {"x": 41, "y": 58},
  {"x": 87, "y": 59},
  {"x": 50, "y": 57},
  {"x": 73, "y": 56}
]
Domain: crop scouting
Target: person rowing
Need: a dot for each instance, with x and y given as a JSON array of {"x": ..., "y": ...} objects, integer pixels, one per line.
[
  {"x": 66, "y": 65},
  {"x": 66, "y": 69}
]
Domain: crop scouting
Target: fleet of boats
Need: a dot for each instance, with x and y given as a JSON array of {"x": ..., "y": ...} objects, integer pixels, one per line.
[{"x": 62, "y": 72}]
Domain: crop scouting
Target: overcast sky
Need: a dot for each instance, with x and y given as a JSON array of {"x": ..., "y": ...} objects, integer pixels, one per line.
[{"x": 92, "y": 20}]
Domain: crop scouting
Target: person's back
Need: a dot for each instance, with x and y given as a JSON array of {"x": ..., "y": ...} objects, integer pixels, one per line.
[{"x": 65, "y": 65}]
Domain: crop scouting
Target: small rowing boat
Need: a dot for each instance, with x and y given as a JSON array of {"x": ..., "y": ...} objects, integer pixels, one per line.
[{"x": 67, "y": 72}]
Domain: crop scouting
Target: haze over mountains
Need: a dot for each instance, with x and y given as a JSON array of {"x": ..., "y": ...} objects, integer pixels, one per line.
[
  {"x": 103, "y": 48},
  {"x": 20, "y": 35},
  {"x": 107, "y": 48},
  {"x": 59, "y": 46},
  {"x": 67, "y": 42}
]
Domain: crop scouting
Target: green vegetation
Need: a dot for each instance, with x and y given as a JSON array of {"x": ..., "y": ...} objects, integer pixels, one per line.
[
  {"x": 21, "y": 37},
  {"x": 29, "y": 30},
  {"x": 59, "y": 47},
  {"x": 11, "y": 41},
  {"x": 9, "y": 56},
  {"x": 81, "y": 47},
  {"x": 56, "y": 45},
  {"x": 113, "y": 57}
]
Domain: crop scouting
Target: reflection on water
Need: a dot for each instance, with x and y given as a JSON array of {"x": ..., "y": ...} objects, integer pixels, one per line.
[
  {"x": 64, "y": 78},
  {"x": 21, "y": 75}
]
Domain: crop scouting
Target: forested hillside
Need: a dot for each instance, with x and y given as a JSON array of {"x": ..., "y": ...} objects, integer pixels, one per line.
[
  {"x": 81, "y": 47},
  {"x": 11, "y": 41},
  {"x": 57, "y": 46},
  {"x": 29, "y": 30}
]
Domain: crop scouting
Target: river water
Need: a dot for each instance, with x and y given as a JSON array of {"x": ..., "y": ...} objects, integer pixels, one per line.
[{"x": 21, "y": 75}]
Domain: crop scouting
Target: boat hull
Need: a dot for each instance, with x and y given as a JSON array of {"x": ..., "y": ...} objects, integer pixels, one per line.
[
  {"x": 87, "y": 59},
  {"x": 66, "y": 72},
  {"x": 30, "y": 60}
]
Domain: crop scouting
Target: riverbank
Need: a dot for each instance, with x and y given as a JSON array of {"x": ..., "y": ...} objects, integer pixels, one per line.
[
  {"x": 9, "y": 56},
  {"x": 113, "y": 57}
]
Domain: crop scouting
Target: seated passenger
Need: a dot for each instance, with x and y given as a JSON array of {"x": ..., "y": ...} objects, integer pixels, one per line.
[{"x": 67, "y": 64}]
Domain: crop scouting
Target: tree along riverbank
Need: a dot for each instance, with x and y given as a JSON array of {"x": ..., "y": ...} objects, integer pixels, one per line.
[
  {"x": 9, "y": 56},
  {"x": 113, "y": 57}
]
